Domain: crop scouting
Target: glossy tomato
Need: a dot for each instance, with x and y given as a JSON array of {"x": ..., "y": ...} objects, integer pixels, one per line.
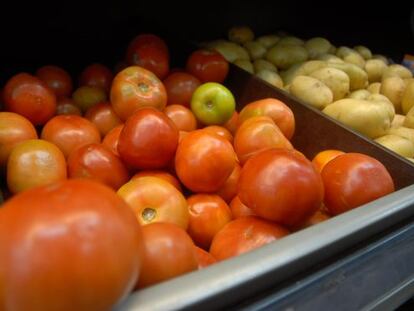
[
  {"x": 30, "y": 97},
  {"x": 229, "y": 190},
  {"x": 204, "y": 161},
  {"x": 57, "y": 79},
  {"x": 146, "y": 39},
  {"x": 204, "y": 258},
  {"x": 208, "y": 66},
  {"x": 180, "y": 87},
  {"x": 160, "y": 174},
  {"x": 238, "y": 209},
  {"x": 134, "y": 88},
  {"x": 292, "y": 191},
  {"x": 104, "y": 117},
  {"x": 323, "y": 157},
  {"x": 97, "y": 75},
  {"x": 168, "y": 252},
  {"x": 182, "y": 117},
  {"x": 243, "y": 235},
  {"x": 353, "y": 179},
  {"x": 67, "y": 106},
  {"x": 208, "y": 214},
  {"x": 232, "y": 124},
  {"x": 111, "y": 139},
  {"x": 219, "y": 130},
  {"x": 82, "y": 248},
  {"x": 155, "y": 200},
  {"x": 152, "y": 59}
]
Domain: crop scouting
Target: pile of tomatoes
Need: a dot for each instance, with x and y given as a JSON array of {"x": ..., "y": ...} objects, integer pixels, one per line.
[{"x": 118, "y": 185}]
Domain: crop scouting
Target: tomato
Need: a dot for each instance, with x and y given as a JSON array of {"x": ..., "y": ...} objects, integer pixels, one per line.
[
  {"x": 57, "y": 79},
  {"x": 104, "y": 117},
  {"x": 160, "y": 174},
  {"x": 292, "y": 191},
  {"x": 168, "y": 252},
  {"x": 111, "y": 139},
  {"x": 229, "y": 190},
  {"x": 208, "y": 214},
  {"x": 148, "y": 140},
  {"x": 238, "y": 209},
  {"x": 180, "y": 87},
  {"x": 323, "y": 157},
  {"x": 14, "y": 129},
  {"x": 134, "y": 88},
  {"x": 182, "y": 117},
  {"x": 278, "y": 111},
  {"x": 145, "y": 40},
  {"x": 67, "y": 106},
  {"x": 243, "y": 235},
  {"x": 204, "y": 258},
  {"x": 319, "y": 216},
  {"x": 219, "y": 130},
  {"x": 155, "y": 200},
  {"x": 204, "y": 161},
  {"x": 73, "y": 245},
  {"x": 208, "y": 66},
  {"x": 257, "y": 134},
  {"x": 97, "y": 162},
  {"x": 152, "y": 59},
  {"x": 70, "y": 132},
  {"x": 96, "y": 75},
  {"x": 34, "y": 163},
  {"x": 353, "y": 179},
  {"x": 86, "y": 97},
  {"x": 232, "y": 124},
  {"x": 30, "y": 97}
]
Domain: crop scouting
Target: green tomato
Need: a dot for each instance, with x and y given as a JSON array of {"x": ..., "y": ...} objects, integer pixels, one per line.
[{"x": 213, "y": 103}]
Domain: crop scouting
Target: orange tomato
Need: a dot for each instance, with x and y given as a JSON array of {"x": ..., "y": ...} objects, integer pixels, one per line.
[
  {"x": 232, "y": 123},
  {"x": 229, "y": 190},
  {"x": 323, "y": 157},
  {"x": 238, "y": 209},
  {"x": 104, "y": 117},
  {"x": 111, "y": 139},
  {"x": 160, "y": 174},
  {"x": 219, "y": 130},
  {"x": 182, "y": 117},
  {"x": 204, "y": 258}
]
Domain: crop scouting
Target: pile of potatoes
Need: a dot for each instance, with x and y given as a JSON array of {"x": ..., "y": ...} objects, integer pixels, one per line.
[{"x": 351, "y": 85}]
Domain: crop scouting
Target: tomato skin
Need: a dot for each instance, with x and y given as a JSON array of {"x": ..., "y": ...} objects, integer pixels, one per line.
[
  {"x": 148, "y": 140},
  {"x": 103, "y": 116},
  {"x": 322, "y": 158},
  {"x": 243, "y": 235},
  {"x": 111, "y": 139},
  {"x": 182, "y": 117},
  {"x": 96, "y": 75},
  {"x": 160, "y": 174},
  {"x": 134, "y": 88},
  {"x": 353, "y": 179},
  {"x": 194, "y": 165},
  {"x": 97, "y": 162},
  {"x": 57, "y": 79},
  {"x": 168, "y": 252},
  {"x": 208, "y": 66},
  {"x": 204, "y": 258},
  {"x": 152, "y": 59},
  {"x": 293, "y": 190},
  {"x": 14, "y": 129},
  {"x": 229, "y": 190},
  {"x": 145, "y": 40},
  {"x": 30, "y": 97},
  {"x": 208, "y": 214},
  {"x": 87, "y": 253},
  {"x": 219, "y": 130},
  {"x": 86, "y": 97},
  {"x": 232, "y": 123},
  {"x": 180, "y": 87},
  {"x": 238, "y": 209},
  {"x": 67, "y": 106}
]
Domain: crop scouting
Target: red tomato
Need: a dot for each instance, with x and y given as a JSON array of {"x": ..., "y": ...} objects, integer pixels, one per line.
[
  {"x": 70, "y": 132},
  {"x": 111, "y": 139},
  {"x": 319, "y": 216},
  {"x": 257, "y": 134},
  {"x": 204, "y": 161},
  {"x": 73, "y": 245},
  {"x": 292, "y": 191},
  {"x": 152, "y": 59},
  {"x": 323, "y": 157},
  {"x": 56, "y": 79},
  {"x": 168, "y": 252},
  {"x": 96, "y": 75},
  {"x": 145, "y": 40},
  {"x": 238, "y": 209},
  {"x": 155, "y": 200},
  {"x": 30, "y": 97},
  {"x": 219, "y": 130},
  {"x": 244, "y": 235},
  {"x": 232, "y": 123},
  {"x": 208, "y": 66},
  {"x": 281, "y": 114},
  {"x": 180, "y": 87},
  {"x": 208, "y": 214},
  {"x": 67, "y": 106},
  {"x": 97, "y": 162},
  {"x": 182, "y": 117},
  {"x": 148, "y": 140},
  {"x": 353, "y": 179},
  {"x": 204, "y": 258},
  {"x": 104, "y": 117},
  {"x": 160, "y": 174},
  {"x": 229, "y": 190},
  {"x": 14, "y": 129},
  {"x": 134, "y": 88}
]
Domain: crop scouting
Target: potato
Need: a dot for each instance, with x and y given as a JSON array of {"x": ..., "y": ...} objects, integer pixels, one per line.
[
  {"x": 301, "y": 69},
  {"x": 393, "y": 88},
  {"x": 256, "y": 50},
  {"x": 359, "y": 94},
  {"x": 402, "y": 131},
  {"x": 270, "y": 77},
  {"x": 317, "y": 46},
  {"x": 382, "y": 98},
  {"x": 335, "y": 79},
  {"x": 375, "y": 69},
  {"x": 291, "y": 40},
  {"x": 230, "y": 50},
  {"x": 407, "y": 101},
  {"x": 285, "y": 55},
  {"x": 381, "y": 57},
  {"x": 350, "y": 56},
  {"x": 409, "y": 118},
  {"x": 398, "y": 121},
  {"x": 374, "y": 88},
  {"x": 244, "y": 64},
  {"x": 397, "y": 70},
  {"x": 358, "y": 78},
  {"x": 240, "y": 34},
  {"x": 333, "y": 49},
  {"x": 262, "y": 64},
  {"x": 268, "y": 41},
  {"x": 330, "y": 58},
  {"x": 367, "y": 117},
  {"x": 311, "y": 91},
  {"x": 398, "y": 144},
  {"x": 408, "y": 81},
  {"x": 363, "y": 51}
]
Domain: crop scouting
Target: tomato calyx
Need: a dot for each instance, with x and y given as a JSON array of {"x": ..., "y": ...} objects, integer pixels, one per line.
[
  {"x": 149, "y": 213},
  {"x": 143, "y": 87}
]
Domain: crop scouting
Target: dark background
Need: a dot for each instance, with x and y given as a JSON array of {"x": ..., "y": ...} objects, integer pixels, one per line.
[{"x": 73, "y": 35}]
